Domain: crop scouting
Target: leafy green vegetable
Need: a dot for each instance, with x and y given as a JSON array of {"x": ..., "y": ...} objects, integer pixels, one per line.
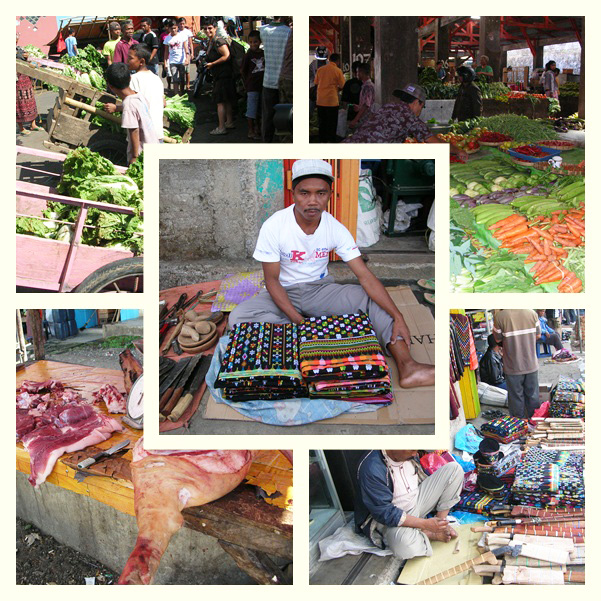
[
  {"x": 33, "y": 226},
  {"x": 34, "y": 51},
  {"x": 88, "y": 59},
  {"x": 136, "y": 171},
  {"x": 181, "y": 111},
  {"x": 519, "y": 127},
  {"x": 80, "y": 164}
]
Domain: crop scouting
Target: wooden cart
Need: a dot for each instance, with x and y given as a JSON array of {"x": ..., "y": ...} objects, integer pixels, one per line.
[
  {"x": 55, "y": 266},
  {"x": 70, "y": 126}
]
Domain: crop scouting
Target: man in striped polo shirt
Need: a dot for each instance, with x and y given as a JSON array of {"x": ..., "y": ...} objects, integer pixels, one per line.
[{"x": 518, "y": 330}]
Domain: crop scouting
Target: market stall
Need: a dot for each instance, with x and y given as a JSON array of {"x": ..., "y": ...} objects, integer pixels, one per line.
[
  {"x": 88, "y": 225},
  {"x": 517, "y": 209},
  {"x": 256, "y": 533}
]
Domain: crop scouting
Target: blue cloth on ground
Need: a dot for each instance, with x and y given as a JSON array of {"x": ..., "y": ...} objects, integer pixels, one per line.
[{"x": 467, "y": 439}]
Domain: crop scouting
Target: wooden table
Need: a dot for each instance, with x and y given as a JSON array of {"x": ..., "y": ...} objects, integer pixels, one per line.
[{"x": 247, "y": 528}]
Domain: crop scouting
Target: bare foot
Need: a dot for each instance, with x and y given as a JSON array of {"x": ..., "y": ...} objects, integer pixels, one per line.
[
  {"x": 416, "y": 374},
  {"x": 452, "y": 533},
  {"x": 443, "y": 537}
]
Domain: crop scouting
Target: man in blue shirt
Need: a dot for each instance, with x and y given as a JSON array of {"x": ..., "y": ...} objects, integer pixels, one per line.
[
  {"x": 547, "y": 334},
  {"x": 71, "y": 43}
]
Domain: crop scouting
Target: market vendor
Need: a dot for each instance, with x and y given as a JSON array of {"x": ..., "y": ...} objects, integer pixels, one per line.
[
  {"x": 484, "y": 71},
  {"x": 491, "y": 365},
  {"x": 396, "y": 121},
  {"x": 547, "y": 334},
  {"x": 294, "y": 245},
  {"x": 395, "y": 497},
  {"x": 469, "y": 97}
]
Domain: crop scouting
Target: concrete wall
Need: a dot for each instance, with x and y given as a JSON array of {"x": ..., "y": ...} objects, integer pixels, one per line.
[
  {"x": 108, "y": 535},
  {"x": 214, "y": 208}
]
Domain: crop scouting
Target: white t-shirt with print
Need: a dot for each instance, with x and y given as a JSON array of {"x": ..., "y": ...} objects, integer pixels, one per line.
[
  {"x": 150, "y": 87},
  {"x": 303, "y": 258},
  {"x": 177, "y": 54}
]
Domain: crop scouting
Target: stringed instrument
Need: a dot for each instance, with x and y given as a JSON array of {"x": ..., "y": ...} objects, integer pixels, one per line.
[{"x": 488, "y": 557}]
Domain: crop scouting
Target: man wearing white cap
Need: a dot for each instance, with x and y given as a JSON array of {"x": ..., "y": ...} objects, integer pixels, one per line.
[{"x": 294, "y": 245}]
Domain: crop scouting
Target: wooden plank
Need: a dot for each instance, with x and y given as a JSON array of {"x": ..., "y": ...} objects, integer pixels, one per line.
[
  {"x": 256, "y": 564},
  {"x": 242, "y": 518},
  {"x": 33, "y": 272},
  {"x": 72, "y": 130},
  {"x": 431, "y": 28}
]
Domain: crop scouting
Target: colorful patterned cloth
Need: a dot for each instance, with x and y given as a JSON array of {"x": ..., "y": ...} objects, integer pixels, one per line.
[
  {"x": 341, "y": 357},
  {"x": 261, "y": 362},
  {"x": 549, "y": 478},
  {"x": 505, "y": 429},
  {"x": 567, "y": 399},
  {"x": 479, "y": 502},
  {"x": 237, "y": 288}
]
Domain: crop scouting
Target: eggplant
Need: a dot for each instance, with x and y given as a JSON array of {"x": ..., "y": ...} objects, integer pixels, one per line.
[{"x": 460, "y": 197}]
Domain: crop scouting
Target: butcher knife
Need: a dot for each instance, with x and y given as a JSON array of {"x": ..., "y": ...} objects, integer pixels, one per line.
[
  {"x": 173, "y": 375},
  {"x": 82, "y": 465},
  {"x": 177, "y": 393},
  {"x": 192, "y": 389}
]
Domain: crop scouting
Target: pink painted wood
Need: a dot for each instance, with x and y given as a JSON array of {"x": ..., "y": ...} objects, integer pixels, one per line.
[
  {"x": 41, "y": 262},
  {"x": 81, "y": 219},
  {"x": 56, "y": 156}
]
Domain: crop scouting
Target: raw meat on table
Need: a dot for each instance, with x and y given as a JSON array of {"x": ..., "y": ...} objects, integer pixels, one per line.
[
  {"x": 65, "y": 434},
  {"x": 115, "y": 402}
]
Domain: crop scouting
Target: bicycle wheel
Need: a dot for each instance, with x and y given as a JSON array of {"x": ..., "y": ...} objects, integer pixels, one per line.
[{"x": 125, "y": 275}]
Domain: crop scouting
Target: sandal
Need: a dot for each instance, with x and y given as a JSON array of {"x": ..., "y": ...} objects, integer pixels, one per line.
[
  {"x": 25, "y": 132},
  {"x": 35, "y": 127},
  {"x": 218, "y": 132},
  {"x": 426, "y": 284},
  {"x": 429, "y": 298},
  {"x": 230, "y": 126}
]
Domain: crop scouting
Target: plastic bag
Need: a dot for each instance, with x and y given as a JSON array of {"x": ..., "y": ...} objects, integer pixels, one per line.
[
  {"x": 342, "y": 127},
  {"x": 433, "y": 461},
  {"x": 370, "y": 211},
  {"x": 467, "y": 439},
  {"x": 404, "y": 213},
  {"x": 543, "y": 410}
]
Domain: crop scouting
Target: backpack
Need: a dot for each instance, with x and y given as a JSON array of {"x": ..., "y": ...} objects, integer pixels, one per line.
[{"x": 237, "y": 52}]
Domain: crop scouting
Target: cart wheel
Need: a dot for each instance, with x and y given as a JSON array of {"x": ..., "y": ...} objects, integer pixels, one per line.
[
  {"x": 125, "y": 275},
  {"x": 110, "y": 146}
]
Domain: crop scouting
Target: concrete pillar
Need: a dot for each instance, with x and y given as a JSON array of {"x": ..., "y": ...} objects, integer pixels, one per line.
[
  {"x": 361, "y": 44},
  {"x": 396, "y": 55},
  {"x": 581, "y": 88},
  {"x": 490, "y": 44},
  {"x": 443, "y": 43},
  {"x": 539, "y": 60},
  {"x": 345, "y": 44}
]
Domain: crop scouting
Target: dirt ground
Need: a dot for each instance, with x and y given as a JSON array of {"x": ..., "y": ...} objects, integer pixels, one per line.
[{"x": 41, "y": 559}]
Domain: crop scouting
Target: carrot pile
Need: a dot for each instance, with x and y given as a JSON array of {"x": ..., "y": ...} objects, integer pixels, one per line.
[{"x": 545, "y": 240}]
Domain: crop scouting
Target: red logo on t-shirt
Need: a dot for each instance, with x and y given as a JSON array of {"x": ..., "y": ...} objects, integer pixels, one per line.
[{"x": 297, "y": 256}]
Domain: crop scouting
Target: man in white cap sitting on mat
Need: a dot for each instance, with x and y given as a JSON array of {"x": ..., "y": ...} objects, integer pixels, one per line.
[{"x": 294, "y": 245}]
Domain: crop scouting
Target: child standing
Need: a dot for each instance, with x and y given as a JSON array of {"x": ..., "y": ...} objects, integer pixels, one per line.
[
  {"x": 147, "y": 84},
  {"x": 71, "y": 43},
  {"x": 253, "y": 69},
  {"x": 136, "y": 119}
]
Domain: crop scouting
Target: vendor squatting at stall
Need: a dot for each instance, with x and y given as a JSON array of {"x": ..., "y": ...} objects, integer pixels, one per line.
[
  {"x": 396, "y": 495},
  {"x": 396, "y": 121},
  {"x": 293, "y": 246}
]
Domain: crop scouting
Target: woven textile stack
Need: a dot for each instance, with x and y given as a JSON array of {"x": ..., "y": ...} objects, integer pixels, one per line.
[
  {"x": 567, "y": 399},
  {"x": 261, "y": 362},
  {"x": 505, "y": 429},
  {"x": 549, "y": 478},
  {"x": 340, "y": 357}
]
